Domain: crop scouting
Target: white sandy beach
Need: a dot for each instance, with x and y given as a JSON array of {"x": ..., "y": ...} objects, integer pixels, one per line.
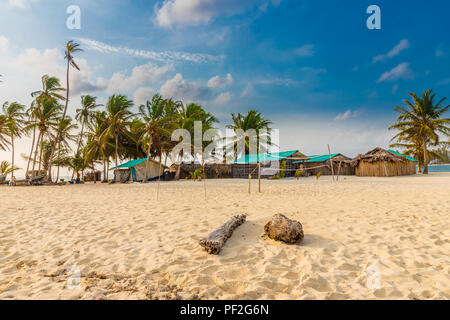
[{"x": 129, "y": 246}]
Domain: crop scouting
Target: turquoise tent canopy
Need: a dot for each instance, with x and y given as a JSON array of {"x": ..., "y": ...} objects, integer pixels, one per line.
[
  {"x": 402, "y": 155},
  {"x": 130, "y": 164},
  {"x": 322, "y": 158},
  {"x": 263, "y": 157}
]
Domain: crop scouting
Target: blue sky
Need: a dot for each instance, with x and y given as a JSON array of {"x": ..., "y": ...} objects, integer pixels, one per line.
[{"x": 313, "y": 67}]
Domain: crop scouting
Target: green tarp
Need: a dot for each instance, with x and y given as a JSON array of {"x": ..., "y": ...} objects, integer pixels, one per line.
[
  {"x": 130, "y": 164},
  {"x": 254, "y": 158}
]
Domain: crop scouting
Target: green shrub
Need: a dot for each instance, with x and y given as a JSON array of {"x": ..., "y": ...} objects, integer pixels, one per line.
[
  {"x": 318, "y": 175},
  {"x": 298, "y": 174}
]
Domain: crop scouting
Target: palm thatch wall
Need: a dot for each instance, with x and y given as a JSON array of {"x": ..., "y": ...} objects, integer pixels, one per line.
[{"x": 381, "y": 163}]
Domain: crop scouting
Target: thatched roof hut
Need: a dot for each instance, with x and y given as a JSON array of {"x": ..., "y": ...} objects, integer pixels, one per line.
[
  {"x": 384, "y": 163},
  {"x": 322, "y": 164}
]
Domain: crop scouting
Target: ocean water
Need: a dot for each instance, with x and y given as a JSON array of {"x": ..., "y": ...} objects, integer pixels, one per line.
[{"x": 439, "y": 168}]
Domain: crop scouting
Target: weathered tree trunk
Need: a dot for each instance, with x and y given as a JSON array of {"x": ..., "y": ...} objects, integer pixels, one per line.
[
  {"x": 425, "y": 158},
  {"x": 150, "y": 141},
  {"x": 12, "y": 161},
  {"x": 79, "y": 145},
  {"x": 216, "y": 240},
  {"x": 35, "y": 153},
  {"x": 31, "y": 152}
]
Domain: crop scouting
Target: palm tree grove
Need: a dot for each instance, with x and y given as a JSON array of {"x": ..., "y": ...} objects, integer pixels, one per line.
[{"x": 105, "y": 134}]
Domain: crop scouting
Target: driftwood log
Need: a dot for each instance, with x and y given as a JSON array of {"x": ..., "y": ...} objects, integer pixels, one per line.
[{"x": 216, "y": 240}]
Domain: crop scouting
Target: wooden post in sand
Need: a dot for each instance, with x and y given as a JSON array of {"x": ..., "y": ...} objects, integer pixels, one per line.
[
  {"x": 204, "y": 173},
  {"x": 249, "y": 183},
  {"x": 159, "y": 178},
  {"x": 331, "y": 162},
  {"x": 259, "y": 176}
]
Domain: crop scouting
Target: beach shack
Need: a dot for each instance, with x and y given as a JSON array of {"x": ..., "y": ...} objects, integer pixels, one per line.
[
  {"x": 134, "y": 170},
  {"x": 384, "y": 163},
  {"x": 342, "y": 165},
  {"x": 270, "y": 164}
]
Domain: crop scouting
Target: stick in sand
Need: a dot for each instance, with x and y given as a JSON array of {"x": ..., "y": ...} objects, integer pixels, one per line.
[{"x": 331, "y": 162}]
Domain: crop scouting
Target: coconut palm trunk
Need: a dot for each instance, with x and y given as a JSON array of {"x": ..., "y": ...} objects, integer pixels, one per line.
[
  {"x": 35, "y": 154},
  {"x": 178, "y": 173},
  {"x": 79, "y": 143},
  {"x": 12, "y": 156},
  {"x": 31, "y": 153},
  {"x": 148, "y": 158},
  {"x": 116, "y": 155},
  {"x": 425, "y": 158}
]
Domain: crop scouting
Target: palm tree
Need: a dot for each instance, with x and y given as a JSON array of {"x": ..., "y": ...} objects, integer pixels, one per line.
[
  {"x": 14, "y": 114},
  {"x": 185, "y": 119},
  {"x": 117, "y": 120},
  {"x": 3, "y": 136},
  {"x": 65, "y": 137},
  {"x": 95, "y": 148},
  {"x": 6, "y": 168},
  {"x": 51, "y": 88},
  {"x": 158, "y": 119},
  {"x": 46, "y": 118},
  {"x": 84, "y": 114},
  {"x": 253, "y": 120},
  {"x": 71, "y": 48},
  {"x": 420, "y": 122}
]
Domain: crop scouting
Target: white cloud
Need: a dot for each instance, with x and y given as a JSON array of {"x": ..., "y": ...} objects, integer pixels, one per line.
[
  {"x": 142, "y": 95},
  {"x": 140, "y": 75},
  {"x": 218, "y": 82},
  {"x": 200, "y": 12},
  {"x": 444, "y": 82},
  {"x": 348, "y": 115},
  {"x": 22, "y": 4},
  {"x": 402, "y": 45},
  {"x": 402, "y": 71},
  {"x": 4, "y": 43},
  {"x": 395, "y": 88},
  {"x": 161, "y": 56},
  {"x": 279, "y": 82},
  {"x": 440, "y": 50},
  {"x": 248, "y": 91},
  {"x": 223, "y": 98},
  {"x": 306, "y": 50},
  {"x": 181, "y": 89}
]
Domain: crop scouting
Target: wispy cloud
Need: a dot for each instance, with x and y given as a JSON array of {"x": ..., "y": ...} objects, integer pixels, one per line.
[
  {"x": 402, "y": 45},
  {"x": 178, "y": 13},
  {"x": 306, "y": 50},
  {"x": 440, "y": 50},
  {"x": 402, "y": 71},
  {"x": 161, "y": 56},
  {"x": 444, "y": 82},
  {"x": 348, "y": 115}
]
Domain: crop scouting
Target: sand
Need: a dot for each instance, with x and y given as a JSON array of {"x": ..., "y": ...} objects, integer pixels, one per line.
[{"x": 365, "y": 238}]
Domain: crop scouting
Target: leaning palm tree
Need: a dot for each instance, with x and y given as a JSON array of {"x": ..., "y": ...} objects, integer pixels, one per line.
[
  {"x": 420, "y": 122},
  {"x": 71, "y": 48},
  {"x": 157, "y": 124},
  {"x": 117, "y": 121},
  {"x": 14, "y": 114},
  {"x": 84, "y": 115}
]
